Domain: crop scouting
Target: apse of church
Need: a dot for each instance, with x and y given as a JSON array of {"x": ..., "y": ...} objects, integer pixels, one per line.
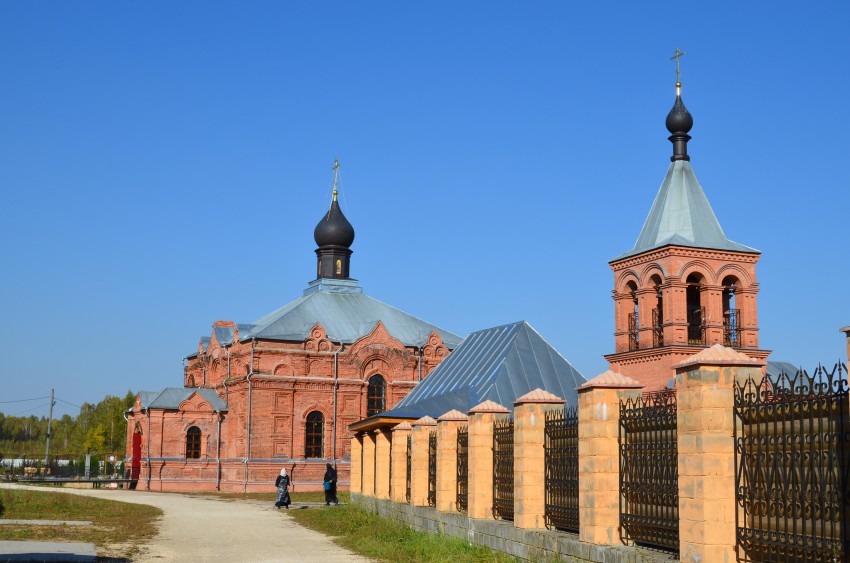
[
  {"x": 684, "y": 285},
  {"x": 281, "y": 391}
]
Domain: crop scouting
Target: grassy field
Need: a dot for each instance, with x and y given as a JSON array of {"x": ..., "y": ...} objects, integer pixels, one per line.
[
  {"x": 118, "y": 528},
  {"x": 370, "y": 535}
]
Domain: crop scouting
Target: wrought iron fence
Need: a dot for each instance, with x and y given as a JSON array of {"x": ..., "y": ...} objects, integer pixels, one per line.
[
  {"x": 407, "y": 469},
  {"x": 634, "y": 336},
  {"x": 649, "y": 476},
  {"x": 432, "y": 468},
  {"x": 657, "y": 328},
  {"x": 503, "y": 469},
  {"x": 696, "y": 325},
  {"x": 561, "y": 462},
  {"x": 791, "y": 467},
  {"x": 462, "y": 468},
  {"x": 732, "y": 328}
]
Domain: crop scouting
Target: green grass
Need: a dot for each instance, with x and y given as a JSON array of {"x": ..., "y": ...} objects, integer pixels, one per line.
[
  {"x": 118, "y": 528},
  {"x": 370, "y": 535}
]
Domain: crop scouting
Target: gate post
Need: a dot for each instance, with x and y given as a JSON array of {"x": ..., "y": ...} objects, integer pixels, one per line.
[
  {"x": 398, "y": 458},
  {"x": 382, "y": 463},
  {"x": 419, "y": 460},
  {"x": 356, "y": 479},
  {"x": 706, "y": 444},
  {"x": 529, "y": 458},
  {"x": 599, "y": 455},
  {"x": 447, "y": 426},
  {"x": 480, "y": 451},
  {"x": 368, "y": 476}
]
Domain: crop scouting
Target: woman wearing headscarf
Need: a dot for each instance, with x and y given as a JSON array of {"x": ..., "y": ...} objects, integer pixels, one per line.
[
  {"x": 282, "y": 484},
  {"x": 330, "y": 486}
]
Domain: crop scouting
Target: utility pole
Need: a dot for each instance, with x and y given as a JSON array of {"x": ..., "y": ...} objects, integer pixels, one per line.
[{"x": 49, "y": 428}]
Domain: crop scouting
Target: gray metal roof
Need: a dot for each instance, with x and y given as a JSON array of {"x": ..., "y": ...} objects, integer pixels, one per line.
[
  {"x": 346, "y": 315},
  {"x": 171, "y": 397},
  {"x": 682, "y": 216},
  {"x": 498, "y": 364}
]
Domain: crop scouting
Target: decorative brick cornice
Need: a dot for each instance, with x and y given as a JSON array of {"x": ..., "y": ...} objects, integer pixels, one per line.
[
  {"x": 682, "y": 251},
  {"x": 489, "y": 407},
  {"x": 538, "y": 396},
  {"x": 611, "y": 379},
  {"x": 453, "y": 414}
]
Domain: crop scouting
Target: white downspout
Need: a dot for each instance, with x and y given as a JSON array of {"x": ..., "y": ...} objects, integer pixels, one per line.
[
  {"x": 218, "y": 455},
  {"x": 148, "y": 412},
  {"x": 419, "y": 349},
  {"x": 248, "y": 438}
]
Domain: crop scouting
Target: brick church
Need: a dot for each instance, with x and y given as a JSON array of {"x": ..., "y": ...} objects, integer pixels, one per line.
[{"x": 281, "y": 391}]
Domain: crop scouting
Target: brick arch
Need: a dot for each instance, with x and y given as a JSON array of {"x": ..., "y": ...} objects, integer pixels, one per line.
[
  {"x": 283, "y": 368},
  {"x": 375, "y": 364},
  {"x": 735, "y": 270},
  {"x": 699, "y": 267},
  {"x": 625, "y": 277},
  {"x": 649, "y": 271}
]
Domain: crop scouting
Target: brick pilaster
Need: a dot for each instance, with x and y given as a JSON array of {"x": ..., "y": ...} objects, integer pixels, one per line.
[
  {"x": 368, "y": 486},
  {"x": 447, "y": 426},
  {"x": 382, "y": 463},
  {"x": 480, "y": 486},
  {"x": 356, "y": 485},
  {"x": 419, "y": 460},
  {"x": 398, "y": 458}
]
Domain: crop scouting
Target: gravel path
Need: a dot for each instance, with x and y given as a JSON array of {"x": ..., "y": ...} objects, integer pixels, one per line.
[{"x": 208, "y": 529}]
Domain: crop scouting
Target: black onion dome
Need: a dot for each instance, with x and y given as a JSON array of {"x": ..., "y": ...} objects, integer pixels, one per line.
[
  {"x": 334, "y": 229},
  {"x": 679, "y": 120}
]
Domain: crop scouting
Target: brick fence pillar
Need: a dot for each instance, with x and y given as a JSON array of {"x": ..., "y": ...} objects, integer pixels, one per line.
[
  {"x": 846, "y": 331},
  {"x": 368, "y": 487},
  {"x": 447, "y": 426},
  {"x": 398, "y": 459},
  {"x": 480, "y": 485},
  {"x": 529, "y": 467},
  {"x": 419, "y": 460},
  {"x": 599, "y": 455},
  {"x": 706, "y": 424},
  {"x": 356, "y": 485},
  {"x": 382, "y": 463}
]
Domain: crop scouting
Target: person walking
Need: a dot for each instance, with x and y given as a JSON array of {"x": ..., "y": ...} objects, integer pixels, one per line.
[
  {"x": 282, "y": 484},
  {"x": 330, "y": 486}
]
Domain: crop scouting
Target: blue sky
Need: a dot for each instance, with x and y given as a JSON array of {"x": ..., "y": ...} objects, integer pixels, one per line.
[{"x": 163, "y": 165}]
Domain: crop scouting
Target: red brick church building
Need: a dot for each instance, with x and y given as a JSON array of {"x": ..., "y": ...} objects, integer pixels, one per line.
[{"x": 281, "y": 391}]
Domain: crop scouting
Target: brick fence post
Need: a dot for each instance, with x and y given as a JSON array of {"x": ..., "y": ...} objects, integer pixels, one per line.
[
  {"x": 599, "y": 455},
  {"x": 398, "y": 455},
  {"x": 419, "y": 460},
  {"x": 529, "y": 467},
  {"x": 480, "y": 486},
  {"x": 705, "y": 397},
  {"x": 356, "y": 484},
  {"x": 382, "y": 463},
  {"x": 447, "y": 426},
  {"x": 368, "y": 487},
  {"x": 846, "y": 331}
]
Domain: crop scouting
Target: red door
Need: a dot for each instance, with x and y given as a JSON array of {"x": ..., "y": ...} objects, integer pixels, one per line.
[{"x": 136, "y": 461}]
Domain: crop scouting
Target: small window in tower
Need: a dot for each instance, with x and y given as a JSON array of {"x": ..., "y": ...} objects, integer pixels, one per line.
[
  {"x": 314, "y": 434},
  {"x": 339, "y": 267},
  {"x": 193, "y": 443},
  {"x": 376, "y": 394}
]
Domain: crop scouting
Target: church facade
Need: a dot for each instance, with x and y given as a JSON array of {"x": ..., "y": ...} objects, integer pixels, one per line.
[{"x": 281, "y": 391}]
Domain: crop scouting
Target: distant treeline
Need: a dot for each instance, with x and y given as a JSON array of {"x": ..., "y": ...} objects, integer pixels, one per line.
[{"x": 99, "y": 430}]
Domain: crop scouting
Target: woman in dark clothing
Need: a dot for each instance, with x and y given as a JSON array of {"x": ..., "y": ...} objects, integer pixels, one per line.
[
  {"x": 282, "y": 484},
  {"x": 330, "y": 486}
]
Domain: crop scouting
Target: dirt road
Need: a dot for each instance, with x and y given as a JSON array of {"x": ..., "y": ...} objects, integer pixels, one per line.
[{"x": 208, "y": 529}]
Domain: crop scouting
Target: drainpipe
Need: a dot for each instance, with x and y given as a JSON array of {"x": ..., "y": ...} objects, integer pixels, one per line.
[
  {"x": 148, "y": 412},
  {"x": 248, "y": 437},
  {"x": 203, "y": 375},
  {"x": 336, "y": 387},
  {"x": 419, "y": 349},
  {"x": 218, "y": 454}
]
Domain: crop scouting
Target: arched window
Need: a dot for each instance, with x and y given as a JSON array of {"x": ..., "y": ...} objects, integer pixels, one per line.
[
  {"x": 376, "y": 396},
  {"x": 634, "y": 335},
  {"x": 314, "y": 435},
  {"x": 193, "y": 443},
  {"x": 731, "y": 314},
  {"x": 695, "y": 310}
]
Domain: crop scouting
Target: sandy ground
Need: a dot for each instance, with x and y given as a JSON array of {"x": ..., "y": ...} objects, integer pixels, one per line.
[{"x": 208, "y": 529}]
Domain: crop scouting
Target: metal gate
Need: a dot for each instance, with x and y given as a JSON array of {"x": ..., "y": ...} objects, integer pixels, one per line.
[
  {"x": 407, "y": 469},
  {"x": 561, "y": 462},
  {"x": 462, "y": 468},
  {"x": 649, "y": 472},
  {"x": 791, "y": 467},
  {"x": 503, "y": 469},
  {"x": 432, "y": 468}
]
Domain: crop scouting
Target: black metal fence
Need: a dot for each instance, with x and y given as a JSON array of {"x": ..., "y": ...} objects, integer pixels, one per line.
[
  {"x": 696, "y": 325},
  {"x": 561, "y": 461},
  {"x": 407, "y": 469},
  {"x": 503, "y": 469},
  {"x": 634, "y": 335},
  {"x": 657, "y": 328},
  {"x": 732, "y": 328},
  {"x": 791, "y": 467},
  {"x": 462, "y": 468},
  {"x": 649, "y": 476},
  {"x": 432, "y": 468}
]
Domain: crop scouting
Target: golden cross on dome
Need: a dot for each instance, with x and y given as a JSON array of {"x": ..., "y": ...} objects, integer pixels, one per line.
[
  {"x": 336, "y": 175},
  {"x": 676, "y": 58}
]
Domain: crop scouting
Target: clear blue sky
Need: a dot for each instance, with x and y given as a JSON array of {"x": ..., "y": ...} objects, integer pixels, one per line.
[{"x": 163, "y": 164}]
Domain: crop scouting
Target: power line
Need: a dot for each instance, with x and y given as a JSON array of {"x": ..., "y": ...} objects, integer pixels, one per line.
[
  {"x": 32, "y": 409},
  {"x": 67, "y": 403},
  {"x": 24, "y": 400}
]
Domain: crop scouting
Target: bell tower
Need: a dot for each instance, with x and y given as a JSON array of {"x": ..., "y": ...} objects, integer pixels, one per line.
[{"x": 684, "y": 286}]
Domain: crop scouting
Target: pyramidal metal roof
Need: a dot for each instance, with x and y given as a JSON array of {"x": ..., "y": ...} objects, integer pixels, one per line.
[
  {"x": 682, "y": 216},
  {"x": 346, "y": 314},
  {"x": 498, "y": 364}
]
